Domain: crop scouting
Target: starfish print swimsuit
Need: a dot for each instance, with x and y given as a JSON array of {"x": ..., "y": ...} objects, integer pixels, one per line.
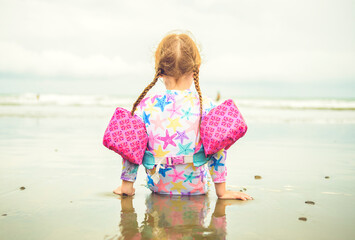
[{"x": 172, "y": 123}]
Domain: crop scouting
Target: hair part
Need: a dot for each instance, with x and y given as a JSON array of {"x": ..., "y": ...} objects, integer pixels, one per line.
[{"x": 175, "y": 56}]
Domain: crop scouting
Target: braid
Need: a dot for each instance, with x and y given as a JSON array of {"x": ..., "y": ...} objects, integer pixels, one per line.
[
  {"x": 197, "y": 86},
  {"x": 145, "y": 91}
]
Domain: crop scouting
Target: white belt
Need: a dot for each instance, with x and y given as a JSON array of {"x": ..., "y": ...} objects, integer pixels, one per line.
[{"x": 169, "y": 161}]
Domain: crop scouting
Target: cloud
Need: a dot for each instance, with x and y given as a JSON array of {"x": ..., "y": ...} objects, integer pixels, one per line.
[
  {"x": 49, "y": 63},
  {"x": 297, "y": 66},
  {"x": 240, "y": 40}
]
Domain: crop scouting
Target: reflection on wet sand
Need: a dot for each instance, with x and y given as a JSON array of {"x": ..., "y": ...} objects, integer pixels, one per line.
[{"x": 173, "y": 217}]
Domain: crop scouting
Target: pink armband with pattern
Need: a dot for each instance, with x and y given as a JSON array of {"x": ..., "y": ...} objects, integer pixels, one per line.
[
  {"x": 126, "y": 135},
  {"x": 222, "y": 127}
]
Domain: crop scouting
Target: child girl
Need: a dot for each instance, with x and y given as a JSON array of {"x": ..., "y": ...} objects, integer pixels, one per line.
[{"x": 172, "y": 120}]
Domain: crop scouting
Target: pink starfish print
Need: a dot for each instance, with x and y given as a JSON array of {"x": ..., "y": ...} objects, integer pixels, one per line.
[
  {"x": 176, "y": 175},
  {"x": 153, "y": 98},
  {"x": 193, "y": 125},
  {"x": 220, "y": 177},
  {"x": 152, "y": 139},
  {"x": 168, "y": 139},
  {"x": 175, "y": 110},
  {"x": 142, "y": 103},
  {"x": 197, "y": 187},
  {"x": 157, "y": 123},
  {"x": 161, "y": 186}
]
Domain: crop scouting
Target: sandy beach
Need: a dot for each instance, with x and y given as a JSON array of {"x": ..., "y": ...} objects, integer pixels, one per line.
[
  {"x": 56, "y": 181},
  {"x": 66, "y": 65}
]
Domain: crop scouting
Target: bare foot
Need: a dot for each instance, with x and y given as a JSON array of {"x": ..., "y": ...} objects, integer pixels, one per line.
[
  {"x": 117, "y": 190},
  {"x": 125, "y": 192}
]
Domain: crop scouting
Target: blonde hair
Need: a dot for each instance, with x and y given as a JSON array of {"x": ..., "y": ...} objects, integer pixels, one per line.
[{"x": 176, "y": 55}]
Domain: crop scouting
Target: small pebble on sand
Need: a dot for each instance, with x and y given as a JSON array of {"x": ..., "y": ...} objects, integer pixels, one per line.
[
  {"x": 244, "y": 189},
  {"x": 240, "y": 190},
  {"x": 302, "y": 219},
  {"x": 22, "y": 188},
  {"x": 309, "y": 202},
  {"x": 326, "y": 177},
  {"x": 4, "y": 214},
  {"x": 257, "y": 177}
]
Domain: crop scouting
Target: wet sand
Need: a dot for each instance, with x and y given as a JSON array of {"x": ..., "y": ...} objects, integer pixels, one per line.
[{"x": 68, "y": 178}]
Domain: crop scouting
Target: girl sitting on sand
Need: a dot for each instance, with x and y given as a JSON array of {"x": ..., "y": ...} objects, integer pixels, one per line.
[{"x": 172, "y": 120}]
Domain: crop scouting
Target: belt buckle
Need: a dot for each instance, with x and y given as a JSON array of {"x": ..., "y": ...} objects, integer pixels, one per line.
[
  {"x": 169, "y": 161},
  {"x": 177, "y": 160}
]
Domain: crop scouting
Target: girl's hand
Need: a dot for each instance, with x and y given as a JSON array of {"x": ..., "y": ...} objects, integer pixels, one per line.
[
  {"x": 125, "y": 189},
  {"x": 235, "y": 195},
  {"x": 222, "y": 193}
]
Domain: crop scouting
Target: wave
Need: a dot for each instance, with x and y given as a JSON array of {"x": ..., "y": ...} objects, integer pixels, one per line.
[
  {"x": 319, "y": 111},
  {"x": 299, "y": 104},
  {"x": 64, "y": 100},
  {"x": 101, "y": 100}
]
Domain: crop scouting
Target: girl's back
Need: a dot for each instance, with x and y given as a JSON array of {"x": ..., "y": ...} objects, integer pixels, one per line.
[
  {"x": 172, "y": 121},
  {"x": 175, "y": 161}
]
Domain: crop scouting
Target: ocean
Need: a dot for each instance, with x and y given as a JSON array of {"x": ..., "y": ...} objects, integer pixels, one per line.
[
  {"x": 56, "y": 177},
  {"x": 323, "y": 111}
]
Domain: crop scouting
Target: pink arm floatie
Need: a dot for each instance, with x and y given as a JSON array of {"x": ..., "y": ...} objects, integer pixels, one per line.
[
  {"x": 126, "y": 135},
  {"x": 222, "y": 127}
]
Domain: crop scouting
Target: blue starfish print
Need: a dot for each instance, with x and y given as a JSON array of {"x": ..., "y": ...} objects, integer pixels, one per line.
[
  {"x": 146, "y": 118},
  {"x": 187, "y": 114},
  {"x": 150, "y": 181},
  {"x": 163, "y": 171},
  {"x": 189, "y": 177},
  {"x": 161, "y": 103},
  {"x": 216, "y": 163},
  {"x": 184, "y": 149},
  {"x": 212, "y": 106},
  {"x": 134, "y": 170}
]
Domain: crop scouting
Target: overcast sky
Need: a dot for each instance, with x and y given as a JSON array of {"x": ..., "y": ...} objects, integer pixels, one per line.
[{"x": 279, "y": 40}]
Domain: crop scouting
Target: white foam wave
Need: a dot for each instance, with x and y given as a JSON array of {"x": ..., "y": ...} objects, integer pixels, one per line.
[
  {"x": 254, "y": 110},
  {"x": 101, "y": 100},
  {"x": 64, "y": 100},
  {"x": 312, "y": 104}
]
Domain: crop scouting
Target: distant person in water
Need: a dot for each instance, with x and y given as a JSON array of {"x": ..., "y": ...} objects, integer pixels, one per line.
[
  {"x": 172, "y": 120},
  {"x": 218, "y": 97}
]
